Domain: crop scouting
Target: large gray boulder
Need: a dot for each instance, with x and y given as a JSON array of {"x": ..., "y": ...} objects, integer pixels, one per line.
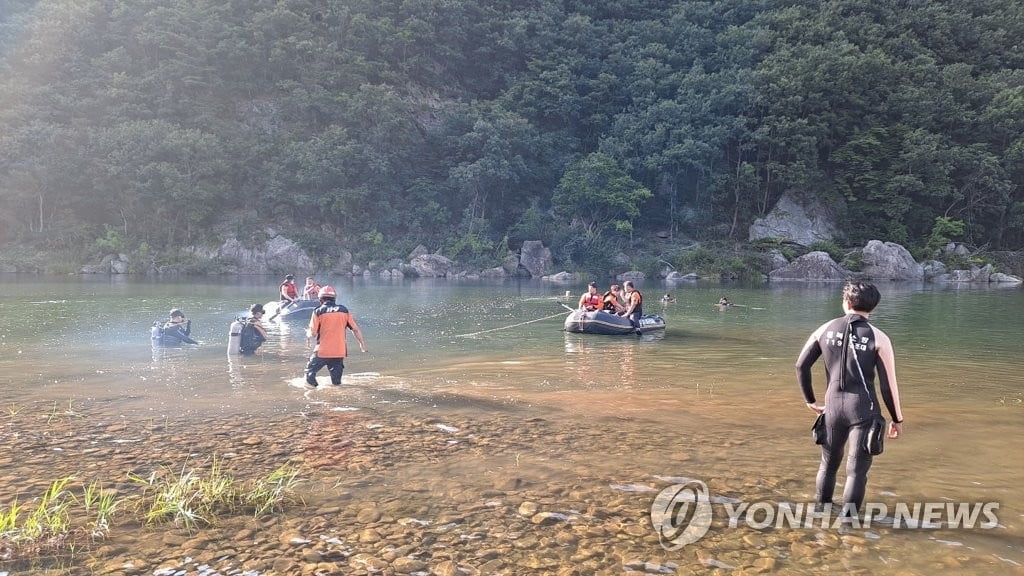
[
  {"x": 890, "y": 261},
  {"x": 535, "y": 258},
  {"x": 974, "y": 275},
  {"x": 496, "y": 272},
  {"x": 674, "y": 276},
  {"x": 247, "y": 260},
  {"x": 561, "y": 278},
  {"x": 120, "y": 264},
  {"x": 511, "y": 264},
  {"x": 279, "y": 255},
  {"x": 934, "y": 270},
  {"x": 1009, "y": 279},
  {"x": 104, "y": 267},
  {"x": 284, "y": 256},
  {"x": 343, "y": 264},
  {"x": 803, "y": 223},
  {"x": 776, "y": 260},
  {"x": 431, "y": 265},
  {"x": 631, "y": 275},
  {"x": 811, "y": 267}
]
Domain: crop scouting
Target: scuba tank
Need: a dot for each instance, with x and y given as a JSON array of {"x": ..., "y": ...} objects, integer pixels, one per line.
[
  {"x": 235, "y": 336},
  {"x": 155, "y": 334}
]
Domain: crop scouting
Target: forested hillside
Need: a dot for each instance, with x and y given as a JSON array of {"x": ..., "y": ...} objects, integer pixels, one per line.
[{"x": 472, "y": 125}]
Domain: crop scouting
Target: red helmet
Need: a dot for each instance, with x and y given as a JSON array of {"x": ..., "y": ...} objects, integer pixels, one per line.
[{"x": 327, "y": 292}]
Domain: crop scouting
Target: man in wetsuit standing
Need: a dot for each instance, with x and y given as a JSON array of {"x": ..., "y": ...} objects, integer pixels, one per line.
[{"x": 854, "y": 351}]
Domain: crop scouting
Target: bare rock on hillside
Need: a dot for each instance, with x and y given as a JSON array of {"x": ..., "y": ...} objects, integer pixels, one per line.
[
  {"x": 535, "y": 258},
  {"x": 800, "y": 222},
  {"x": 432, "y": 266},
  {"x": 811, "y": 267},
  {"x": 890, "y": 261}
]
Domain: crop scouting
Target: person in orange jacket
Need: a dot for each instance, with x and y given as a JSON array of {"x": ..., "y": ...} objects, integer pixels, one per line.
[{"x": 328, "y": 325}]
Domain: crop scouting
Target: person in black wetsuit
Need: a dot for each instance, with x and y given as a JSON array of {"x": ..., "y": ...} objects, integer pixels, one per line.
[
  {"x": 854, "y": 352},
  {"x": 176, "y": 331}
]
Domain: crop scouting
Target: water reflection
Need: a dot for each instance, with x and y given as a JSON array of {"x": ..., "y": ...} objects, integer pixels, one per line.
[{"x": 958, "y": 351}]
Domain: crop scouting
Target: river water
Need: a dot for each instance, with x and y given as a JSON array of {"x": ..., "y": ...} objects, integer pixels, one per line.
[{"x": 573, "y": 417}]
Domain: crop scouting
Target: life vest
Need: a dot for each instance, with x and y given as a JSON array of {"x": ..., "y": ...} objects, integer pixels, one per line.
[
  {"x": 639, "y": 308},
  {"x": 311, "y": 291},
  {"x": 608, "y": 301},
  {"x": 289, "y": 289},
  {"x": 591, "y": 301}
]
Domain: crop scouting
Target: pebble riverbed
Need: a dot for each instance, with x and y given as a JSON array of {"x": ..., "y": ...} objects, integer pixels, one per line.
[{"x": 388, "y": 491}]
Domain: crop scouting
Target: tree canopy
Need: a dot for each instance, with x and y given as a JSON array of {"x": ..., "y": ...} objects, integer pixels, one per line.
[{"x": 472, "y": 124}]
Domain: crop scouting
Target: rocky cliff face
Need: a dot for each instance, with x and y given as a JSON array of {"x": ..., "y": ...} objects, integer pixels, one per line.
[{"x": 800, "y": 222}]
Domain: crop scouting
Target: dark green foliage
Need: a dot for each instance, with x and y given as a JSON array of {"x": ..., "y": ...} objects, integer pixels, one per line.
[
  {"x": 829, "y": 247},
  {"x": 376, "y": 126}
]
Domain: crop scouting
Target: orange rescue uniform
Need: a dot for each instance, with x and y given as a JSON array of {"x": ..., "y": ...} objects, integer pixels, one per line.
[{"x": 328, "y": 325}]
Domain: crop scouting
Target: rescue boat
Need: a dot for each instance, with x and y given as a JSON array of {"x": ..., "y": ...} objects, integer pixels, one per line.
[{"x": 601, "y": 322}]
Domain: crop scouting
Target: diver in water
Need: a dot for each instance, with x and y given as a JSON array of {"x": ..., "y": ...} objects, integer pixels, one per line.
[
  {"x": 246, "y": 335},
  {"x": 177, "y": 330}
]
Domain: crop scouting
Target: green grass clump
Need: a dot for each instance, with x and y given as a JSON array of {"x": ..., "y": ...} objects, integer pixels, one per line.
[
  {"x": 56, "y": 522},
  {"x": 192, "y": 498}
]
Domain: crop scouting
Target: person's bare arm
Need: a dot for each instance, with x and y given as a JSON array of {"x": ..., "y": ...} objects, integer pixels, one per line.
[
  {"x": 808, "y": 356},
  {"x": 887, "y": 382},
  {"x": 357, "y": 333}
]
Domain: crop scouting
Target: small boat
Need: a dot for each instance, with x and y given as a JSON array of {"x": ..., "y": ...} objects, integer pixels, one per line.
[
  {"x": 601, "y": 322},
  {"x": 300, "y": 310}
]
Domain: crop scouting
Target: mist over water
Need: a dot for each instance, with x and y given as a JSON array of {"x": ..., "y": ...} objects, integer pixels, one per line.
[{"x": 713, "y": 397}]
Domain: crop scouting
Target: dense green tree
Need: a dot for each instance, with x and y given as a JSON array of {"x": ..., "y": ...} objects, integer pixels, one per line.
[{"x": 472, "y": 125}]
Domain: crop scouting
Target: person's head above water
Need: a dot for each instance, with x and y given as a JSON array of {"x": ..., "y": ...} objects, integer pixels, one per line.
[{"x": 861, "y": 296}]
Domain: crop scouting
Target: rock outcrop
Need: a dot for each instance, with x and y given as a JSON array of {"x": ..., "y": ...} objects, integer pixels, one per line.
[
  {"x": 1000, "y": 278},
  {"x": 811, "y": 267},
  {"x": 890, "y": 261},
  {"x": 561, "y": 278},
  {"x": 535, "y": 258},
  {"x": 279, "y": 255},
  {"x": 804, "y": 223},
  {"x": 432, "y": 265},
  {"x": 110, "y": 264}
]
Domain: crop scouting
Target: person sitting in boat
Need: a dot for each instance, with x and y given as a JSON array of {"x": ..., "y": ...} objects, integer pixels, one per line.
[
  {"x": 311, "y": 289},
  {"x": 289, "y": 291},
  {"x": 177, "y": 330},
  {"x": 634, "y": 305},
  {"x": 668, "y": 299},
  {"x": 612, "y": 301},
  {"x": 591, "y": 299}
]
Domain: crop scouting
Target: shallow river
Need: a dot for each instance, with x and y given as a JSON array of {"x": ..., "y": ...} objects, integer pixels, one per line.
[{"x": 475, "y": 436}]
